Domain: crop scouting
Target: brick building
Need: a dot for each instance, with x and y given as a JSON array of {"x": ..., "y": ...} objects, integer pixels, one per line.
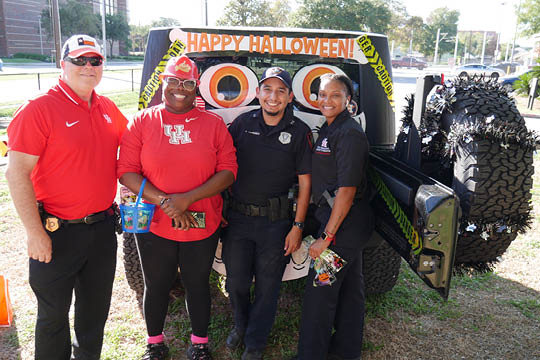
[{"x": 20, "y": 30}]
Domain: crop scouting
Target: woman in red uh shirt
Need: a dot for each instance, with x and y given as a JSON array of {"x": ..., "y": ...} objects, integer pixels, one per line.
[{"x": 187, "y": 156}]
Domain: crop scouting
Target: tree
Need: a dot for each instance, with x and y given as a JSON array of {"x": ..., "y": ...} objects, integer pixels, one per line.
[
  {"x": 529, "y": 17},
  {"x": 246, "y": 13},
  {"x": 444, "y": 19},
  {"x": 138, "y": 35},
  {"x": 363, "y": 15},
  {"x": 165, "y": 21},
  {"x": 75, "y": 18},
  {"x": 117, "y": 29}
]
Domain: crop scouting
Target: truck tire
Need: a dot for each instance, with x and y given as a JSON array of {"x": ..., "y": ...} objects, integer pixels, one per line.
[
  {"x": 380, "y": 266},
  {"x": 475, "y": 141},
  {"x": 494, "y": 188},
  {"x": 132, "y": 264}
]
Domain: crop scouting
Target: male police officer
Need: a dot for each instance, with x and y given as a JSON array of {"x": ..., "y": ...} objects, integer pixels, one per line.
[
  {"x": 273, "y": 150},
  {"x": 63, "y": 147}
]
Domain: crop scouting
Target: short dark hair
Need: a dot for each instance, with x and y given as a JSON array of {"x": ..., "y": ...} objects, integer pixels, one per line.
[{"x": 344, "y": 79}]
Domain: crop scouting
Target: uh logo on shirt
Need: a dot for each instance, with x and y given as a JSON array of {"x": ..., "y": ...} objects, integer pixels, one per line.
[{"x": 177, "y": 135}]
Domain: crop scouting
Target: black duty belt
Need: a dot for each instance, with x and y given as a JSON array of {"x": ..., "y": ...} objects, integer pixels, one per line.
[
  {"x": 278, "y": 208},
  {"x": 251, "y": 210},
  {"x": 53, "y": 222}
]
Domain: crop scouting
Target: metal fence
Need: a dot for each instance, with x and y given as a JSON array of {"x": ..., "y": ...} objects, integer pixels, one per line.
[{"x": 22, "y": 86}]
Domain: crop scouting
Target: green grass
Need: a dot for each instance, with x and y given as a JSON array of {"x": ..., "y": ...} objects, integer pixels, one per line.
[
  {"x": 474, "y": 281},
  {"x": 530, "y": 308},
  {"x": 414, "y": 297},
  {"x": 8, "y": 111},
  {"x": 126, "y": 102}
]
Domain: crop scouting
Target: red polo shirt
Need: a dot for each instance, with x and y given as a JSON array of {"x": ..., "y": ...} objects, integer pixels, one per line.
[
  {"x": 177, "y": 153},
  {"x": 77, "y": 147}
]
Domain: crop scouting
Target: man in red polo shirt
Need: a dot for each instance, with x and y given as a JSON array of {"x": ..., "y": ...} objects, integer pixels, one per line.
[{"x": 62, "y": 178}]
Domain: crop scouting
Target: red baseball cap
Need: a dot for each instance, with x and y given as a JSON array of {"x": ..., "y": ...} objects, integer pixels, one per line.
[{"x": 181, "y": 67}]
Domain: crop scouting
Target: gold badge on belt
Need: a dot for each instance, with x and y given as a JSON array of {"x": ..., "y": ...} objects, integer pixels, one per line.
[{"x": 52, "y": 224}]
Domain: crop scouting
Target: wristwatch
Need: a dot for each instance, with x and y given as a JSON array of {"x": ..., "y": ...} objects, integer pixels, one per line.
[
  {"x": 299, "y": 225},
  {"x": 327, "y": 237}
]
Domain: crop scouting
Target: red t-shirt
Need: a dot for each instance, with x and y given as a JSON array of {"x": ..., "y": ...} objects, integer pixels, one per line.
[
  {"x": 77, "y": 148},
  {"x": 177, "y": 153}
]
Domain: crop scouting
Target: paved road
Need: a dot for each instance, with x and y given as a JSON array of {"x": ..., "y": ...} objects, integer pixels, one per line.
[{"x": 405, "y": 84}]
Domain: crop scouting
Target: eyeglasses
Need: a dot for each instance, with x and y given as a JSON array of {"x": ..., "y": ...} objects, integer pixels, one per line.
[
  {"x": 189, "y": 85},
  {"x": 83, "y": 60}
]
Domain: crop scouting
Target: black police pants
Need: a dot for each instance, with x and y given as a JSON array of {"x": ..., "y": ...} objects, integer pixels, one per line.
[
  {"x": 338, "y": 307},
  {"x": 253, "y": 247},
  {"x": 84, "y": 261},
  {"x": 160, "y": 259}
]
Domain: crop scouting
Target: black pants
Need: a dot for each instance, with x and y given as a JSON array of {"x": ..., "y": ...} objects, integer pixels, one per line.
[
  {"x": 84, "y": 260},
  {"x": 253, "y": 247},
  {"x": 160, "y": 259},
  {"x": 338, "y": 307}
]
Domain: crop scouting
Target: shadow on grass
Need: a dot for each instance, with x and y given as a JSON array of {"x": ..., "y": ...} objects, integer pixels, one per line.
[{"x": 406, "y": 304}]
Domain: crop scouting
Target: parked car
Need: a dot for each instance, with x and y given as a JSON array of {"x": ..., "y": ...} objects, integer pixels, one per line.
[
  {"x": 508, "y": 81},
  {"x": 507, "y": 66},
  {"x": 478, "y": 69},
  {"x": 409, "y": 62}
]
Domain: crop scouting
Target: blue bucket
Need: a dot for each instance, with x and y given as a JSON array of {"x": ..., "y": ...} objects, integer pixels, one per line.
[{"x": 137, "y": 217}]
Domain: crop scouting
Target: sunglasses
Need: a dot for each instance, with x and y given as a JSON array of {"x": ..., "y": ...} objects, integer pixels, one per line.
[
  {"x": 83, "y": 60},
  {"x": 189, "y": 85}
]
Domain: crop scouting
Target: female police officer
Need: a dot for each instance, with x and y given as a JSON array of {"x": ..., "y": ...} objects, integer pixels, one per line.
[
  {"x": 339, "y": 164},
  {"x": 188, "y": 158}
]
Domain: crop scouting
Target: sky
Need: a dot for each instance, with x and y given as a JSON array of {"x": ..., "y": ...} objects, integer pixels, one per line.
[{"x": 483, "y": 15}]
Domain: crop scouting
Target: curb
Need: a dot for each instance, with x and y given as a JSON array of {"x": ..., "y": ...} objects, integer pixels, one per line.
[{"x": 534, "y": 116}]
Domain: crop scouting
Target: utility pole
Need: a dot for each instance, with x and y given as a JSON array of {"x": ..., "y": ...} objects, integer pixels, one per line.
[
  {"x": 455, "y": 49},
  {"x": 515, "y": 32},
  {"x": 40, "y": 38},
  {"x": 104, "y": 40},
  {"x": 206, "y": 12},
  {"x": 55, "y": 19},
  {"x": 497, "y": 48},
  {"x": 410, "y": 43},
  {"x": 436, "y": 47},
  {"x": 484, "y": 47}
]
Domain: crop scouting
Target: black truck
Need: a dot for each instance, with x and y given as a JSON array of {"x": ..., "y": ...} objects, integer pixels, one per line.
[{"x": 451, "y": 190}]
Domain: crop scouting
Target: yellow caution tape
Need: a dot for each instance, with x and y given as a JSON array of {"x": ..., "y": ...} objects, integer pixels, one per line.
[
  {"x": 405, "y": 225},
  {"x": 376, "y": 63},
  {"x": 177, "y": 48}
]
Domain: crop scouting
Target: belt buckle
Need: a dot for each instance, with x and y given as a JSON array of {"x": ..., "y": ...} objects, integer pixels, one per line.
[{"x": 87, "y": 218}]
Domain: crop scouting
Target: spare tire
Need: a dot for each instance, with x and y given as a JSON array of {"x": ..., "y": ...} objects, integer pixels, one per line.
[
  {"x": 494, "y": 187},
  {"x": 132, "y": 264},
  {"x": 475, "y": 140}
]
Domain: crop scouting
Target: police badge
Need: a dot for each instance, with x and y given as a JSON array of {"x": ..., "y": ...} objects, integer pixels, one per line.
[
  {"x": 285, "y": 137},
  {"x": 52, "y": 224}
]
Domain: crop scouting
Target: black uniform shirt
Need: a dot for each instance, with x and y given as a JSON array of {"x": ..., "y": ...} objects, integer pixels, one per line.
[
  {"x": 340, "y": 157},
  {"x": 269, "y": 157}
]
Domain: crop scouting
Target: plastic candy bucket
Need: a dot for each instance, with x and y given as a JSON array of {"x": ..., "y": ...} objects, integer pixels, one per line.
[{"x": 136, "y": 218}]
